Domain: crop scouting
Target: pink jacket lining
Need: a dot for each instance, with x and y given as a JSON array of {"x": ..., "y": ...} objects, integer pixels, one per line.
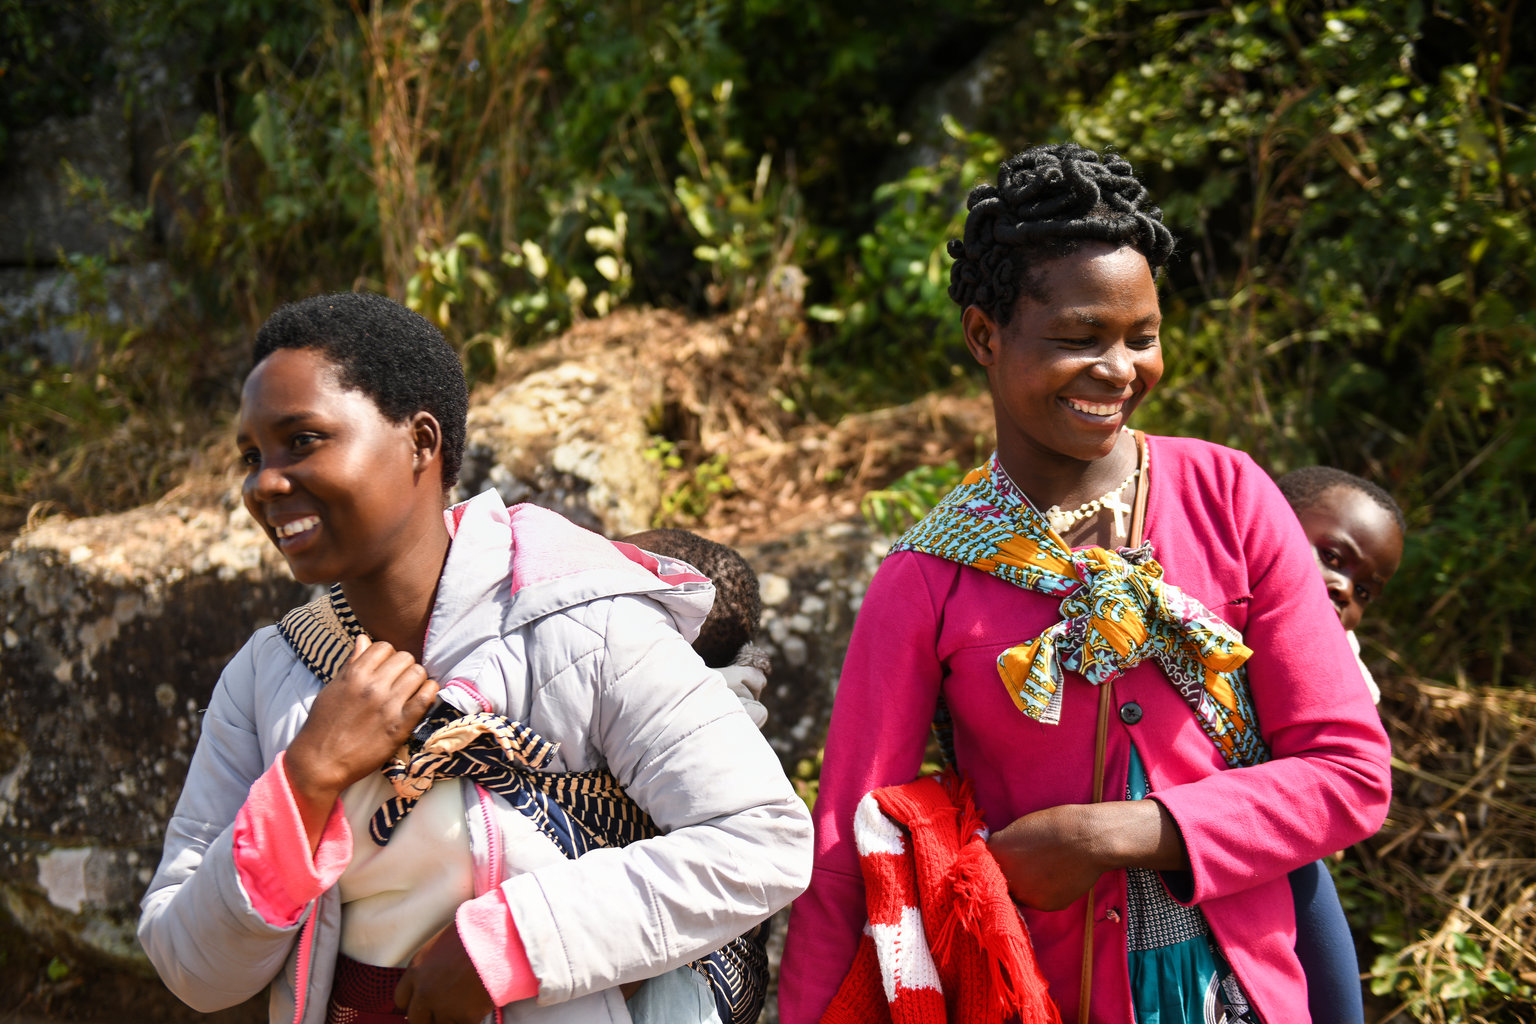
[
  {"x": 281, "y": 879},
  {"x": 272, "y": 855}
]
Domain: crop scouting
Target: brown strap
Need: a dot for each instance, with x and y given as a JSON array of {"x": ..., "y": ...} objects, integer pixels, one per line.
[
  {"x": 1139, "y": 510},
  {"x": 1100, "y": 741},
  {"x": 1101, "y": 731}
]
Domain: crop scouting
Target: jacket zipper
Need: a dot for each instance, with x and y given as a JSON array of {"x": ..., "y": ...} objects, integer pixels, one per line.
[
  {"x": 301, "y": 967},
  {"x": 482, "y": 799},
  {"x": 493, "y": 853}
]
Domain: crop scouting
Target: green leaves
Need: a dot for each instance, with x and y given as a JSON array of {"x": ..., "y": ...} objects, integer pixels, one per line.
[{"x": 892, "y": 509}]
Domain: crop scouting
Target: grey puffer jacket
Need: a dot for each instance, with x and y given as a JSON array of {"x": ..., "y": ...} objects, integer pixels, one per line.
[{"x": 551, "y": 626}]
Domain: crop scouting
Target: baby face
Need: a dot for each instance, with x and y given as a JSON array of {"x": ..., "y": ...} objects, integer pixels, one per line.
[{"x": 1358, "y": 547}]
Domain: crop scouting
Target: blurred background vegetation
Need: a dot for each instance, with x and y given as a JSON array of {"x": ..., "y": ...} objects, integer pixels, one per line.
[{"x": 1353, "y": 185}]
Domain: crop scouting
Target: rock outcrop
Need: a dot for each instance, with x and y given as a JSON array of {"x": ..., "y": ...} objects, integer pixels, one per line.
[
  {"x": 114, "y": 632},
  {"x": 812, "y": 584},
  {"x": 116, "y": 628},
  {"x": 571, "y": 437}
]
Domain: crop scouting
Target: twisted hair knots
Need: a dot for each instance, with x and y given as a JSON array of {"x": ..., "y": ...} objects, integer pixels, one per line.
[{"x": 1048, "y": 201}]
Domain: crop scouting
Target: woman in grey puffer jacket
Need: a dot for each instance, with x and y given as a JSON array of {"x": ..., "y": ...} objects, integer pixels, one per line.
[{"x": 291, "y": 860}]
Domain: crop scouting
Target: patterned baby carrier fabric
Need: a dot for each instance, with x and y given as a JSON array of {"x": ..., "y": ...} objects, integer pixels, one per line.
[
  {"x": 1117, "y": 611},
  {"x": 578, "y": 811}
]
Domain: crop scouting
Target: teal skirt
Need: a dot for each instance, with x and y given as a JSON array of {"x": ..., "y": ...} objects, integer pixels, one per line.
[{"x": 1178, "y": 976}]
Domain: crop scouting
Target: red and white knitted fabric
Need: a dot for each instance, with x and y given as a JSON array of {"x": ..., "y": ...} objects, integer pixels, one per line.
[{"x": 944, "y": 940}]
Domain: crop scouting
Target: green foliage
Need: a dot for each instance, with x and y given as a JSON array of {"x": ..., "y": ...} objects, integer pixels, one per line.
[
  {"x": 520, "y": 294},
  {"x": 1441, "y": 977},
  {"x": 1378, "y": 310},
  {"x": 271, "y": 194},
  {"x": 824, "y": 86},
  {"x": 687, "y": 491},
  {"x": 104, "y": 429},
  {"x": 53, "y": 57},
  {"x": 807, "y": 778},
  {"x": 1352, "y": 183},
  {"x": 507, "y": 168},
  {"x": 1447, "y": 979},
  {"x": 892, "y": 509},
  {"x": 896, "y": 333},
  {"x": 745, "y": 233}
]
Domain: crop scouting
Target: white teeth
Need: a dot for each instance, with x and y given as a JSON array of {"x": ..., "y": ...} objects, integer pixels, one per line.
[
  {"x": 296, "y": 527},
  {"x": 1095, "y": 410}
]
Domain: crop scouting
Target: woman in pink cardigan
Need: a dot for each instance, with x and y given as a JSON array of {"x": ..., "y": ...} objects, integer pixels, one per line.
[{"x": 1091, "y": 594}]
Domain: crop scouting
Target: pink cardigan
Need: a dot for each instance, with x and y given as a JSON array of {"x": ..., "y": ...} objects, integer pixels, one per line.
[{"x": 1224, "y": 535}]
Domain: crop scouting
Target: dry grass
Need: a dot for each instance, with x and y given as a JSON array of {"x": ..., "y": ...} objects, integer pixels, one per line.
[
  {"x": 734, "y": 388},
  {"x": 416, "y": 87},
  {"x": 1455, "y": 865}
]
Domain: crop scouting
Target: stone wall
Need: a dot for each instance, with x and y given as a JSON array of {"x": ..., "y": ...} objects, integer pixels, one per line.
[
  {"x": 116, "y": 628},
  {"x": 64, "y": 184}
]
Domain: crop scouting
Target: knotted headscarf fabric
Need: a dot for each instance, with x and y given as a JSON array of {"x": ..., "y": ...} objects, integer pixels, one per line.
[{"x": 1117, "y": 611}]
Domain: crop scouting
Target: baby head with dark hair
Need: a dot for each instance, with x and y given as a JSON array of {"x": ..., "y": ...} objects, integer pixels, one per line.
[
  {"x": 1048, "y": 202},
  {"x": 1356, "y": 531},
  {"x": 738, "y": 607},
  {"x": 391, "y": 354}
]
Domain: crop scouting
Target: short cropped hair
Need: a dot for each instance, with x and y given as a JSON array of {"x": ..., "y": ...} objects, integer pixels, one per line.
[
  {"x": 1048, "y": 201},
  {"x": 738, "y": 607},
  {"x": 1304, "y": 487},
  {"x": 393, "y": 355}
]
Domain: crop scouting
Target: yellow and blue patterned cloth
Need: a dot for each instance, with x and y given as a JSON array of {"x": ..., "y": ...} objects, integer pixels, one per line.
[{"x": 1117, "y": 611}]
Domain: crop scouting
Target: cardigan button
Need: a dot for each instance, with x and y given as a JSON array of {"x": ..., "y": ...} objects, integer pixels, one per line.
[{"x": 1130, "y": 712}]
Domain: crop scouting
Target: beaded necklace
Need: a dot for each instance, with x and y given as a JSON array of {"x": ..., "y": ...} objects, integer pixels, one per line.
[{"x": 1061, "y": 520}]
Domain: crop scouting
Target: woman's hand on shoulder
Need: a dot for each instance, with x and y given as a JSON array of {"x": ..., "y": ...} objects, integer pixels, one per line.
[
  {"x": 442, "y": 986},
  {"x": 1051, "y": 857},
  {"x": 357, "y": 721}
]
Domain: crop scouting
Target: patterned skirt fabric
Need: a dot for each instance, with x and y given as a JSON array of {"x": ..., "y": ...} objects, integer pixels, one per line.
[
  {"x": 1178, "y": 975},
  {"x": 363, "y": 994}
]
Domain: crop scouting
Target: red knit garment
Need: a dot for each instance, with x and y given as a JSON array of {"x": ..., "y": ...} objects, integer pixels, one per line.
[{"x": 944, "y": 941}]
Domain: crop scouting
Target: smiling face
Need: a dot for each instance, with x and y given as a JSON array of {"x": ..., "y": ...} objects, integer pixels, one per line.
[
  {"x": 1067, "y": 373},
  {"x": 346, "y": 495},
  {"x": 1358, "y": 547}
]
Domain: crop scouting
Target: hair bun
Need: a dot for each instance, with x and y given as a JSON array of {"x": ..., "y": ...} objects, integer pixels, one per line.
[{"x": 1048, "y": 200}]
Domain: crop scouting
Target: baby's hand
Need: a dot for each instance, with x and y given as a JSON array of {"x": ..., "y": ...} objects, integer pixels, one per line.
[{"x": 359, "y": 719}]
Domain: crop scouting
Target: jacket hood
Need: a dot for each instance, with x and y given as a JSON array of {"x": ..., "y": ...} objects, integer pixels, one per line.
[{"x": 510, "y": 566}]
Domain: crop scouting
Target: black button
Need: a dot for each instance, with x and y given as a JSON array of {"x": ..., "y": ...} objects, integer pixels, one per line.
[{"x": 1130, "y": 712}]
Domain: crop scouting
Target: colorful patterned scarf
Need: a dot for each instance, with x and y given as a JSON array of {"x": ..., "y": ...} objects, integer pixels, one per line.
[{"x": 1117, "y": 611}]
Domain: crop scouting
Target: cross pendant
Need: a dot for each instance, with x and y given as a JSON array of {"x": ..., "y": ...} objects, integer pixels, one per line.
[{"x": 1121, "y": 510}]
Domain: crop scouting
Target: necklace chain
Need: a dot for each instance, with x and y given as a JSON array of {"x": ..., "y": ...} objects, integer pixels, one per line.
[{"x": 1062, "y": 520}]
